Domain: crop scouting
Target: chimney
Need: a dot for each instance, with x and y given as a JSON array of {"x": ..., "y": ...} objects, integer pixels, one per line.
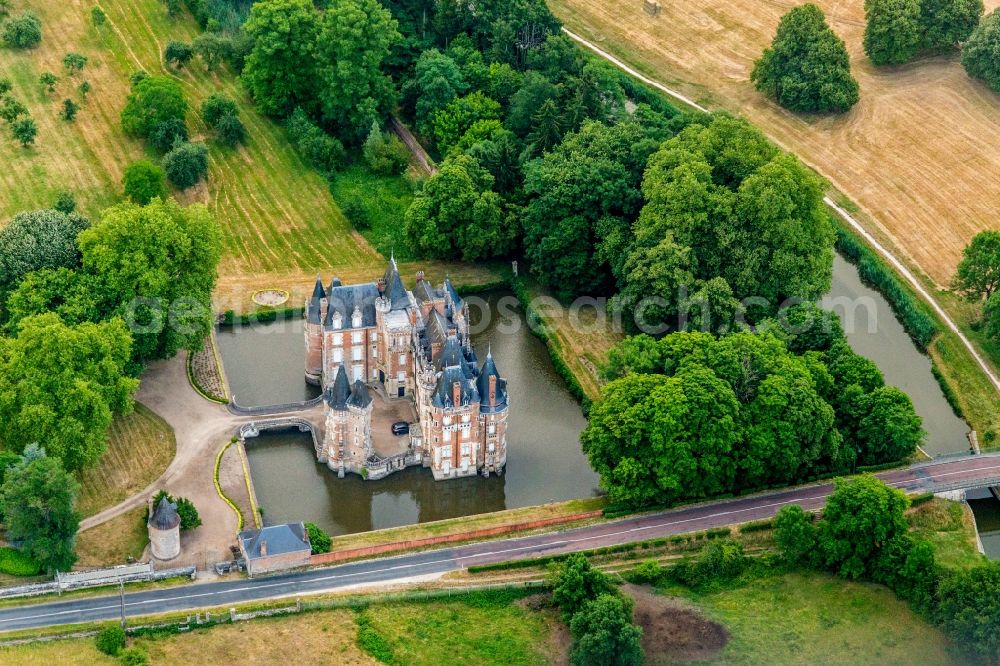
[
  {"x": 381, "y": 285},
  {"x": 493, "y": 390},
  {"x": 420, "y": 276},
  {"x": 263, "y": 548},
  {"x": 456, "y": 393}
]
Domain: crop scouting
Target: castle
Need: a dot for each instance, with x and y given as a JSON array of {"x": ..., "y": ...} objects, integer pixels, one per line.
[{"x": 372, "y": 346}]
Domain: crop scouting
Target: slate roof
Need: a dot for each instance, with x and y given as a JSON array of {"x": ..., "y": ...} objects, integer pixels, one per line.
[
  {"x": 425, "y": 292},
  {"x": 359, "y": 395},
  {"x": 281, "y": 540},
  {"x": 443, "y": 396},
  {"x": 483, "y": 385},
  {"x": 394, "y": 289},
  {"x": 344, "y": 298},
  {"x": 338, "y": 393},
  {"x": 456, "y": 300},
  {"x": 165, "y": 516}
]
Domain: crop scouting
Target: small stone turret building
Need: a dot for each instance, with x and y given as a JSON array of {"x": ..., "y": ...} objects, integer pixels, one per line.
[{"x": 164, "y": 527}]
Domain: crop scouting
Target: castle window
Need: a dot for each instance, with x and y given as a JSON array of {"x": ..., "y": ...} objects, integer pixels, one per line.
[
  {"x": 374, "y": 336},
  {"x": 447, "y": 420},
  {"x": 492, "y": 429},
  {"x": 338, "y": 355},
  {"x": 465, "y": 449},
  {"x": 465, "y": 433},
  {"x": 465, "y": 418},
  {"x": 445, "y": 451},
  {"x": 491, "y": 447},
  {"x": 356, "y": 354},
  {"x": 337, "y": 340},
  {"x": 402, "y": 359},
  {"x": 401, "y": 377},
  {"x": 356, "y": 337}
]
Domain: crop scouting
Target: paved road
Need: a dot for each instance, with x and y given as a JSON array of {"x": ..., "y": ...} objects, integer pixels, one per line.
[{"x": 968, "y": 471}]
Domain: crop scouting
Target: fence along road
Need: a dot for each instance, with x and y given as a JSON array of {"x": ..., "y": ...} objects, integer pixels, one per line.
[
  {"x": 841, "y": 213},
  {"x": 966, "y": 472}
]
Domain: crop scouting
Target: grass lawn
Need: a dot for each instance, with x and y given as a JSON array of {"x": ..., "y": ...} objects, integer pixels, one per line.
[
  {"x": 112, "y": 542},
  {"x": 819, "y": 619},
  {"x": 384, "y": 200},
  {"x": 140, "y": 447},
  {"x": 950, "y": 528}
]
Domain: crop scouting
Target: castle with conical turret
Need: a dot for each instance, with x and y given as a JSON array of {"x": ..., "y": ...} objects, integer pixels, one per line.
[{"x": 370, "y": 346}]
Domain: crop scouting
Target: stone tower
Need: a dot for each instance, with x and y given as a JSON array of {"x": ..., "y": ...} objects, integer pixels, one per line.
[
  {"x": 348, "y": 442},
  {"x": 316, "y": 308},
  {"x": 164, "y": 531}
]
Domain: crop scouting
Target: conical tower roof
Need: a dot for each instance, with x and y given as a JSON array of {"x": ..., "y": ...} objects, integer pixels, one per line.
[{"x": 165, "y": 516}]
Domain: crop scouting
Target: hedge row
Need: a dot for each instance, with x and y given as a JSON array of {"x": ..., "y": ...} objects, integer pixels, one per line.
[
  {"x": 757, "y": 526},
  {"x": 551, "y": 344},
  {"x": 913, "y": 315},
  {"x": 261, "y": 316},
  {"x": 922, "y": 498}
]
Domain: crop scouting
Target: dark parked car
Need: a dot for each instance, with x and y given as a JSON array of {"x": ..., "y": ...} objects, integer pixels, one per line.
[{"x": 400, "y": 428}]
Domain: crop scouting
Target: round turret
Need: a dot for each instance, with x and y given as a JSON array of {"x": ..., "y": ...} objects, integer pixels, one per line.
[{"x": 164, "y": 531}]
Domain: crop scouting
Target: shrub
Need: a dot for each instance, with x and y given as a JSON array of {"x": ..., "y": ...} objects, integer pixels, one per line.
[
  {"x": 230, "y": 130},
  {"x": 65, "y": 202},
  {"x": 74, "y": 62},
  {"x": 372, "y": 642},
  {"x": 133, "y": 656},
  {"x": 110, "y": 640},
  {"x": 153, "y": 100},
  {"x": 318, "y": 539},
  {"x": 24, "y": 31},
  {"x": 354, "y": 209},
  {"x": 25, "y": 130},
  {"x": 144, "y": 180},
  {"x": 795, "y": 533},
  {"x": 215, "y": 107},
  {"x": 98, "y": 17},
  {"x": 69, "y": 110},
  {"x": 14, "y": 562},
  {"x": 647, "y": 573},
  {"x": 185, "y": 509},
  {"x": 718, "y": 561},
  {"x": 603, "y": 633},
  {"x": 186, "y": 164},
  {"x": 575, "y": 582},
  {"x": 320, "y": 150},
  {"x": 48, "y": 81}
]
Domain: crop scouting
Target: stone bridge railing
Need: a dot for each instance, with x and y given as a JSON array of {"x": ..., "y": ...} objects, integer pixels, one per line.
[
  {"x": 264, "y": 410},
  {"x": 379, "y": 467}
]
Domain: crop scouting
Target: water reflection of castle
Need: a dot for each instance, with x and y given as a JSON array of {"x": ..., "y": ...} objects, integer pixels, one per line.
[{"x": 371, "y": 345}]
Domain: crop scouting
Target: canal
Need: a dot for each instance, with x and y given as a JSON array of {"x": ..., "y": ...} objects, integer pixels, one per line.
[
  {"x": 544, "y": 460},
  {"x": 264, "y": 365}
]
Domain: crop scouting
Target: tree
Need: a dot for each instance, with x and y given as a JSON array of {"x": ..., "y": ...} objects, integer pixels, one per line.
[
  {"x": 211, "y": 48},
  {"x": 319, "y": 540},
  {"x": 356, "y": 36},
  {"x": 230, "y": 130},
  {"x": 74, "y": 63},
  {"x": 535, "y": 90},
  {"x": 978, "y": 273},
  {"x": 12, "y": 109},
  {"x": 167, "y": 134},
  {"x": 604, "y": 634},
  {"x": 84, "y": 89},
  {"x": 23, "y": 32},
  {"x": 153, "y": 100},
  {"x": 215, "y": 107},
  {"x": 969, "y": 608},
  {"x": 454, "y": 120},
  {"x": 861, "y": 517},
  {"x": 438, "y": 81},
  {"x": 5, "y": 86},
  {"x": 186, "y": 164},
  {"x": 155, "y": 266},
  {"x": 144, "y": 180},
  {"x": 38, "y": 239},
  {"x": 25, "y": 130},
  {"x": 795, "y": 534},
  {"x": 62, "y": 386},
  {"x": 186, "y": 509},
  {"x": 69, "y": 110},
  {"x": 384, "y": 153},
  {"x": 457, "y": 214},
  {"x": 48, "y": 81},
  {"x": 893, "y": 31},
  {"x": 946, "y": 23},
  {"x": 891, "y": 429},
  {"x": 280, "y": 70},
  {"x": 575, "y": 582},
  {"x": 36, "y": 501},
  {"x": 98, "y": 17},
  {"x": 981, "y": 53},
  {"x": 806, "y": 68},
  {"x": 322, "y": 151},
  {"x": 906, "y": 565},
  {"x": 548, "y": 128},
  {"x": 178, "y": 54}
]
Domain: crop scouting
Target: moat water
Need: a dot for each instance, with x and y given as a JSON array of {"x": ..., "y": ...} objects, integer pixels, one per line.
[
  {"x": 544, "y": 459},
  {"x": 264, "y": 366}
]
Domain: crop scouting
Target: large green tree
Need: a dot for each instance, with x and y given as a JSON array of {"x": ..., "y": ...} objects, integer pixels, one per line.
[
  {"x": 806, "y": 67},
  {"x": 355, "y": 38},
  {"x": 453, "y": 121},
  {"x": 155, "y": 266},
  {"x": 153, "y": 100},
  {"x": 36, "y": 500},
  {"x": 946, "y": 23},
  {"x": 38, "y": 239},
  {"x": 575, "y": 582},
  {"x": 62, "y": 385},
  {"x": 457, "y": 214},
  {"x": 437, "y": 81},
  {"x": 893, "y": 31},
  {"x": 280, "y": 70},
  {"x": 978, "y": 273},
  {"x": 861, "y": 517},
  {"x": 981, "y": 53},
  {"x": 144, "y": 180},
  {"x": 969, "y": 608}
]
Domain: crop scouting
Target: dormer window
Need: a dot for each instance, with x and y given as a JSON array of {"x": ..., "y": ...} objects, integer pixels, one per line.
[
  {"x": 356, "y": 318},
  {"x": 338, "y": 321}
]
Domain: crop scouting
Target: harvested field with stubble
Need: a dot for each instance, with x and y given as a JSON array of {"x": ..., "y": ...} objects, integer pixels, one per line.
[{"x": 920, "y": 152}]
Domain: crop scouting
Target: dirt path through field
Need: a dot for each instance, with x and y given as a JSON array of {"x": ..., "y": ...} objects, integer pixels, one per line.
[{"x": 920, "y": 153}]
